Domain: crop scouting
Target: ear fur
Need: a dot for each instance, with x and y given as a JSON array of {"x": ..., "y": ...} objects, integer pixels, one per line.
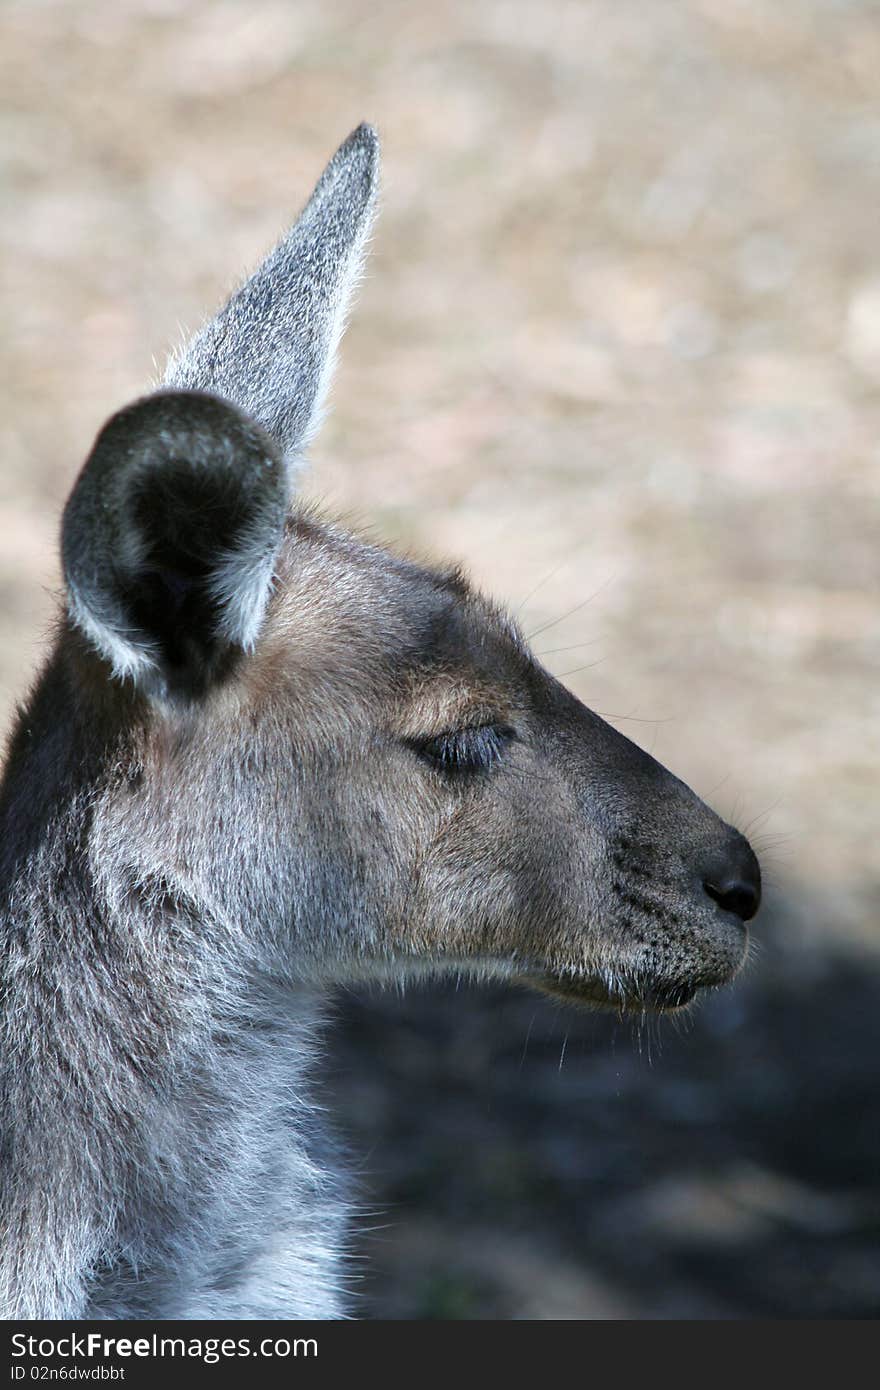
[
  {"x": 170, "y": 537},
  {"x": 271, "y": 349}
]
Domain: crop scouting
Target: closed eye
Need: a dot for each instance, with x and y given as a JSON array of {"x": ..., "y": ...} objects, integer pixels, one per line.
[{"x": 462, "y": 751}]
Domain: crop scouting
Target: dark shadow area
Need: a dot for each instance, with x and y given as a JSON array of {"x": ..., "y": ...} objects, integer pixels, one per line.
[{"x": 521, "y": 1160}]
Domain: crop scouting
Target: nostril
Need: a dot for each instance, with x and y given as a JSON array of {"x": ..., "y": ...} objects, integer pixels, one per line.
[
  {"x": 739, "y": 895},
  {"x": 731, "y": 875}
]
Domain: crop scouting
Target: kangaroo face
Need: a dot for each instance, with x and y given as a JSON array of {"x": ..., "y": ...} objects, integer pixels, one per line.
[
  {"x": 502, "y": 826},
  {"x": 357, "y": 762}
]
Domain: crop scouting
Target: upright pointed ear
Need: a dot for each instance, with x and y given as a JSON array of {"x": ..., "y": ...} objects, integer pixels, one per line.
[
  {"x": 170, "y": 538},
  {"x": 271, "y": 349}
]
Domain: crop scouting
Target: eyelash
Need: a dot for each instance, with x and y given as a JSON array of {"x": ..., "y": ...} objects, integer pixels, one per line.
[{"x": 462, "y": 751}]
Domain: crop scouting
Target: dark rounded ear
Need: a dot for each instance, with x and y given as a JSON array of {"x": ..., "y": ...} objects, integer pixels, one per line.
[{"x": 170, "y": 537}]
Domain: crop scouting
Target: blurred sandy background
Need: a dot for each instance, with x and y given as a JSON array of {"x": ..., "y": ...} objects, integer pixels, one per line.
[{"x": 618, "y": 351}]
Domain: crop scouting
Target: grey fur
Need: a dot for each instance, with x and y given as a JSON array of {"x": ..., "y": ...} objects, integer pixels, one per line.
[
  {"x": 272, "y": 348},
  {"x": 266, "y": 757},
  {"x": 114, "y": 546}
]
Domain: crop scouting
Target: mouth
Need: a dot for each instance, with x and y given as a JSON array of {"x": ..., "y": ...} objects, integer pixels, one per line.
[
  {"x": 636, "y": 988},
  {"x": 626, "y": 997}
]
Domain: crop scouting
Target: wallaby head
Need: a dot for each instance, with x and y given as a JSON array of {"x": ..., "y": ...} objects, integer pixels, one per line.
[
  {"x": 349, "y": 765},
  {"x": 401, "y": 783}
]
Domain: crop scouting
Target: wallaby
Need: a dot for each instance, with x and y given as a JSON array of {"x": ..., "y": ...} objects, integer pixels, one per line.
[{"x": 266, "y": 757}]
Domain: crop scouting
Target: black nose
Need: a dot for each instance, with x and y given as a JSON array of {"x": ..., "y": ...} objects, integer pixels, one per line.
[{"x": 733, "y": 879}]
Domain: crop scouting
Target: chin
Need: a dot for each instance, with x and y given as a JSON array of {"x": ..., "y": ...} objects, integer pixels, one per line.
[
  {"x": 635, "y": 987},
  {"x": 629, "y": 996}
]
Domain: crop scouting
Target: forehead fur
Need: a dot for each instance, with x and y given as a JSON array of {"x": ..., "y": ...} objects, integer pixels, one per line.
[{"x": 371, "y": 625}]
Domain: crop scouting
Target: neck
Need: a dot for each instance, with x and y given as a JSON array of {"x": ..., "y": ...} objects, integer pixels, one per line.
[
  {"x": 161, "y": 1157},
  {"x": 237, "y": 1213}
]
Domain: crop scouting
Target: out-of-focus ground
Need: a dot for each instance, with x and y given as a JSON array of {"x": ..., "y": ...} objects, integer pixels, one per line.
[{"x": 618, "y": 351}]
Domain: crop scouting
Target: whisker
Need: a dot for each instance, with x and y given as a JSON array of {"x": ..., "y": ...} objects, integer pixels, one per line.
[
  {"x": 772, "y": 843},
  {"x": 554, "y": 622},
  {"x": 526, "y": 1043},
  {"x": 555, "y": 651},
  {"x": 573, "y": 672},
  {"x": 762, "y": 815},
  {"x": 720, "y": 783},
  {"x": 540, "y": 584},
  {"x": 635, "y": 718},
  {"x": 566, "y": 559}
]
